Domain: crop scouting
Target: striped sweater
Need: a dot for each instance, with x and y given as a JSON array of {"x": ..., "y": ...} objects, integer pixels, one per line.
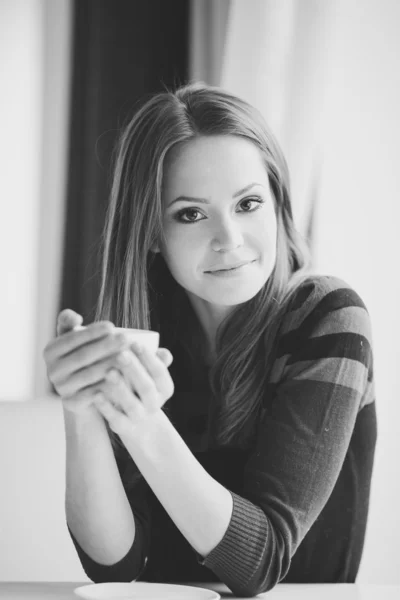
[{"x": 301, "y": 494}]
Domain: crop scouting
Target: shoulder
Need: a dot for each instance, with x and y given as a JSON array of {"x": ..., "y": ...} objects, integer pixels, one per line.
[
  {"x": 324, "y": 297},
  {"x": 325, "y": 318},
  {"x": 333, "y": 291},
  {"x": 325, "y": 336}
]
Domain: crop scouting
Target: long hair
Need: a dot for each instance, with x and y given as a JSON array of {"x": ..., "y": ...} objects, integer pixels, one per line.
[{"x": 137, "y": 289}]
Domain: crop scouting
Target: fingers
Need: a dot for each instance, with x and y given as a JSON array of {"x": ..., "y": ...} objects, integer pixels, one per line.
[
  {"x": 74, "y": 339},
  {"x": 116, "y": 402},
  {"x": 97, "y": 350},
  {"x": 116, "y": 419},
  {"x": 148, "y": 376},
  {"x": 61, "y": 366},
  {"x": 77, "y": 377},
  {"x": 140, "y": 381},
  {"x": 108, "y": 411},
  {"x": 165, "y": 355},
  {"x": 135, "y": 390},
  {"x": 155, "y": 366},
  {"x": 87, "y": 365},
  {"x": 67, "y": 320},
  {"x": 79, "y": 381},
  {"x": 71, "y": 340}
]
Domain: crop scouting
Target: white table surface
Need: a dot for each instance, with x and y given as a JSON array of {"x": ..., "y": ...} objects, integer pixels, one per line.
[{"x": 283, "y": 591}]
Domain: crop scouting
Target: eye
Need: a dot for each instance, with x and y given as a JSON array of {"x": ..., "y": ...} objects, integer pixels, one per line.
[
  {"x": 186, "y": 211},
  {"x": 258, "y": 201}
]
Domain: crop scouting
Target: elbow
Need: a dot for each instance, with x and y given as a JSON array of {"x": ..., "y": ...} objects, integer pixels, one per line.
[
  {"x": 273, "y": 568},
  {"x": 111, "y": 578},
  {"x": 250, "y": 589},
  {"x": 116, "y": 573},
  {"x": 254, "y": 587},
  {"x": 129, "y": 568}
]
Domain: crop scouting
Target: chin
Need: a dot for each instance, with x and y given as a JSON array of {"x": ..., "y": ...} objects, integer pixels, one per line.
[{"x": 233, "y": 297}]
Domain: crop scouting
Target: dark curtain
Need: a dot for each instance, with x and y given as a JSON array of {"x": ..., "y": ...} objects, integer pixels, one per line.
[{"x": 122, "y": 50}]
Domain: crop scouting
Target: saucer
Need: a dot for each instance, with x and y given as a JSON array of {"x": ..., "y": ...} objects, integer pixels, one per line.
[{"x": 144, "y": 591}]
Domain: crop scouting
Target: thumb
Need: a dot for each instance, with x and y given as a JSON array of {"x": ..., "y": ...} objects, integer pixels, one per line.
[
  {"x": 165, "y": 355},
  {"x": 67, "y": 320}
]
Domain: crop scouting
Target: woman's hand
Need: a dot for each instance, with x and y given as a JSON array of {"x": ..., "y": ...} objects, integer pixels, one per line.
[
  {"x": 77, "y": 361},
  {"x": 128, "y": 399}
]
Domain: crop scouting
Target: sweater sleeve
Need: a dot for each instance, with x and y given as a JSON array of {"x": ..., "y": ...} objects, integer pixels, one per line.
[
  {"x": 130, "y": 567},
  {"x": 324, "y": 362}
]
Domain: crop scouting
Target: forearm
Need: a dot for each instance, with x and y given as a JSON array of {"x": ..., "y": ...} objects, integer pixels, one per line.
[
  {"x": 200, "y": 507},
  {"x": 97, "y": 509}
]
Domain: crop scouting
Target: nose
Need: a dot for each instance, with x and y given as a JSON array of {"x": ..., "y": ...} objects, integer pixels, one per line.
[{"x": 227, "y": 236}]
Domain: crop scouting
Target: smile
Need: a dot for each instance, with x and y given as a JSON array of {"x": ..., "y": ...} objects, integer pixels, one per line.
[{"x": 230, "y": 272}]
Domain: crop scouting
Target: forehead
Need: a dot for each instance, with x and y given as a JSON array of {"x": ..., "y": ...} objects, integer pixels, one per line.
[{"x": 226, "y": 160}]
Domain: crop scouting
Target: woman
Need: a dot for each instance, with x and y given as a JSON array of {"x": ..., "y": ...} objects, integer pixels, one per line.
[{"x": 258, "y": 468}]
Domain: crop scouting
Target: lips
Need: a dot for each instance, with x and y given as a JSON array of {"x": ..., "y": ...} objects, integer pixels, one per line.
[{"x": 229, "y": 267}]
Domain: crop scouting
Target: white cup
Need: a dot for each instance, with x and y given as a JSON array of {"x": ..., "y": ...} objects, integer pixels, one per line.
[{"x": 147, "y": 338}]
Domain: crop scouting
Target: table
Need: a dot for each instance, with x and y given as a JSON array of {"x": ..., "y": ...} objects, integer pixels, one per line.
[{"x": 283, "y": 591}]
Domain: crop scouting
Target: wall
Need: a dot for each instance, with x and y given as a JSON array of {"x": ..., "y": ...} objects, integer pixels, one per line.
[
  {"x": 35, "y": 49},
  {"x": 22, "y": 69},
  {"x": 357, "y": 231}
]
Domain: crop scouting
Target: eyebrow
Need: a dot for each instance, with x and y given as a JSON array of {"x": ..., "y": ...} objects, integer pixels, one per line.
[{"x": 205, "y": 201}]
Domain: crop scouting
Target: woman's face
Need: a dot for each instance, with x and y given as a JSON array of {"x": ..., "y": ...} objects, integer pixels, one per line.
[{"x": 218, "y": 212}]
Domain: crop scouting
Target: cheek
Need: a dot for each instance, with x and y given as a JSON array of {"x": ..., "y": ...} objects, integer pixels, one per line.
[
  {"x": 184, "y": 240},
  {"x": 181, "y": 250},
  {"x": 265, "y": 232},
  {"x": 272, "y": 235}
]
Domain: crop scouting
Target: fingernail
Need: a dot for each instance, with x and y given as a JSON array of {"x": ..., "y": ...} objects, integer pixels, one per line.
[{"x": 113, "y": 375}]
